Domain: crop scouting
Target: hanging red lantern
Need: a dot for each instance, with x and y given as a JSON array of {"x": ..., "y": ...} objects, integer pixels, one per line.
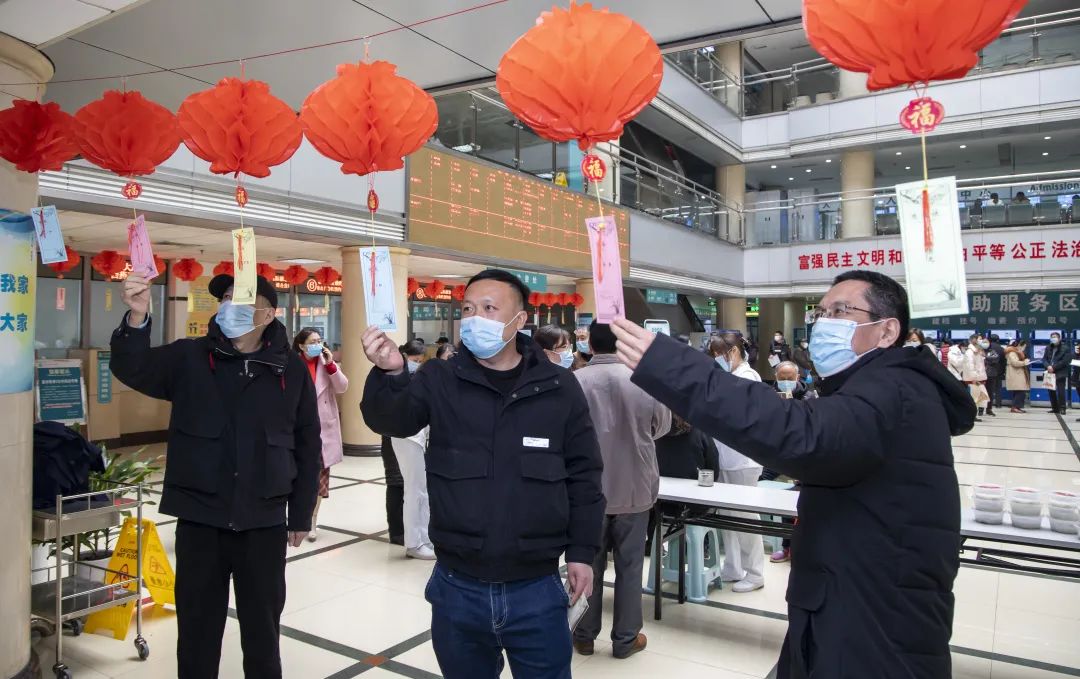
[
  {"x": 187, "y": 269},
  {"x": 564, "y": 299},
  {"x": 368, "y": 118},
  {"x": 239, "y": 127},
  {"x": 327, "y": 276},
  {"x": 108, "y": 263},
  {"x": 435, "y": 288},
  {"x": 413, "y": 286},
  {"x": 265, "y": 271},
  {"x": 225, "y": 267},
  {"x": 535, "y": 299},
  {"x": 296, "y": 274},
  {"x": 125, "y": 133},
  {"x": 72, "y": 261},
  {"x": 899, "y": 42},
  {"x": 580, "y": 73},
  {"x": 550, "y": 299},
  {"x": 161, "y": 265},
  {"x": 36, "y": 137},
  {"x": 458, "y": 293},
  {"x": 922, "y": 115},
  {"x": 576, "y": 299}
]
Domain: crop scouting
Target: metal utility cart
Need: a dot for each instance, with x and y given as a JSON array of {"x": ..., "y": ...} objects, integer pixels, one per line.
[{"x": 79, "y": 589}]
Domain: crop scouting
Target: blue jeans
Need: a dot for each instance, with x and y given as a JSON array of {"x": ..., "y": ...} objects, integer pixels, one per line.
[{"x": 472, "y": 622}]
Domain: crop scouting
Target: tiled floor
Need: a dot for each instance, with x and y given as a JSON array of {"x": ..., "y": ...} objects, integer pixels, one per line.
[{"x": 356, "y": 604}]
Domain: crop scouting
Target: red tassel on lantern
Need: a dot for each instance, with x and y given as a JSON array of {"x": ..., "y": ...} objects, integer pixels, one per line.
[
  {"x": 108, "y": 263},
  {"x": 296, "y": 274},
  {"x": 127, "y": 134},
  {"x": 327, "y": 276},
  {"x": 36, "y": 137},
  {"x": 580, "y": 73},
  {"x": 225, "y": 267},
  {"x": 72, "y": 261},
  {"x": 367, "y": 118},
  {"x": 266, "y": 271},
  {"x": 187, "y": 269}
]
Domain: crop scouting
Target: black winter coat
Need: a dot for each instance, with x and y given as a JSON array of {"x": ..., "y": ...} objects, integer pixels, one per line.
[
  {"x": 876, "y": 548},
  {"x": 1058, "y": 357},
  {"x": 681, "y": 454},
  {"x": 244, "y": 435},
  {"x": 513, "y": 481}
]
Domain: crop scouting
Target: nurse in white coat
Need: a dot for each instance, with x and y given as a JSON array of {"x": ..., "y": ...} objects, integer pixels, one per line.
[
  {"x": 744, "y": 553},
  {"x": 410, "y": 456}
]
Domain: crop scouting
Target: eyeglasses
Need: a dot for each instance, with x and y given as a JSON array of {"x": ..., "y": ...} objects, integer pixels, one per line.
[{"x": 839, "y": 310}]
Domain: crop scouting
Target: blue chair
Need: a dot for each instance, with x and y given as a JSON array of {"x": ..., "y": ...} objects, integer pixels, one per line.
[
  {"x": 703, "y": 562},
  {"x": 773, "y": 543}
]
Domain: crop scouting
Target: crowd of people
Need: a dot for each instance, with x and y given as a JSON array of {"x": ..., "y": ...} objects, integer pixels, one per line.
[{"x": 507, "y": 454}]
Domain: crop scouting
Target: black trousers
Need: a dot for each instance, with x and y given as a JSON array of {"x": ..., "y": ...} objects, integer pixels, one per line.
[
  {"x": 993, "y": 388},
  {"x": 1059, "y": 396},
  {"x": 395, "y": 493},
  {"x": 206, "y": 559}
]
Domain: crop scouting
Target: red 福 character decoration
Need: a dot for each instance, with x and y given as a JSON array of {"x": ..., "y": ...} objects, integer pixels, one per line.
[
  {"x": 36, "y": 137},
  {"x": 922, "y": 115},
  {"x": 593, "y": 168}
]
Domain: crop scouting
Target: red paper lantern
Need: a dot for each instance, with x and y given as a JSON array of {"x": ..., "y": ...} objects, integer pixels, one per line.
[
  {"x": 435, "y": 288},
  {"x": 580, "y": 74},
  {"x": 127, "y": 134},
  {"x": 161, "y": 265},
  {"x": 368, "y": 118},
  {"x": 535, "y": 299},
  {"x": 900, "y": 42},
  {"x": 564, "y": 299},
  {"x": 576, "y": 299},
  {"x": 72, "y": 261},
  {"x": 265, "y": 270},
  {"x": 327, "y": 275},
  {"x": 459, "y": 293},
  {"x": 108, "y": 263},
  {"x": 36, "y": 137},
  {"x": 296, "y": 274},
  {"x": 550, "y": 299},
  {"x": 238, "y": 126},
  {"x": 225, "y": 267},
  {"x": 922, "y": 115},
  {"x": 187, "y": 269},
  {"x": 413, "y": 286}
]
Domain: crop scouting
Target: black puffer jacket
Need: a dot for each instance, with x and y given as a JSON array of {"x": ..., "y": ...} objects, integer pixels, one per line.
[
  {"x": 244, "y": 435},
  {"x": 877, "y": 547},
  {"x": 514, "y": 481}
]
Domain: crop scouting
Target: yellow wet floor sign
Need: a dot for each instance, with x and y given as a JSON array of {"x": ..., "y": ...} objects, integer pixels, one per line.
[{"x": 157, "y": 574}]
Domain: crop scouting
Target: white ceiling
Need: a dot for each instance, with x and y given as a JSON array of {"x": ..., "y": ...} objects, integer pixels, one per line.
[
  {"x": 39, "y": 22},
  {"x": 175, "y": 33}
]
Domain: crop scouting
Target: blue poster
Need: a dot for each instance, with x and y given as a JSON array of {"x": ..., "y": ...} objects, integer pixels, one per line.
[
  {"x": 18, "y": 280},
  {"x": 60, "y": 392},
  {"x": 104, "y": 377},
  {"x": 47, "y": 231}
]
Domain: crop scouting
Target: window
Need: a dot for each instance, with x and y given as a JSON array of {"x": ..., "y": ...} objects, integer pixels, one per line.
[
  {"x": 58, "y": 326},
  {"x": 107, "y": 309}
]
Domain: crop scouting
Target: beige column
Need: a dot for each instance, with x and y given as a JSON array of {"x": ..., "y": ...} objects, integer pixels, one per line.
[
  {"x": 794, "y": 317},
  {"x": 176, "y": 291},
  {"x": 772, "y": 316},
  {"x": 731, "y": 314},
  {"x": 19, "y": 63},
  {"x": 857, "y": 190},
  {"x": 358, "y": 439},
  {"x": 852, "y": 84},
  {"x": 730, "y": 56},
  {"x": 586, "y": 290},
  {"x": 731, "y": 184}
]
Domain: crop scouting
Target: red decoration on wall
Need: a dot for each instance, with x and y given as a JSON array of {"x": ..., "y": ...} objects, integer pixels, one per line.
[
  {"x": 108, "y": 263},
  {"x": 368, "y": 118},
  {"x": 239, "y": 127},
  {"x": 576, "y": 299},
  {"x": 296, "y": 274},
  {"x": 535, "y": 299},
  {"x": 413, "y": 286},
  {"x": 72, "y": 261},
  {"x": 580, "y": 74},
  {"x": 459, "y": 293},
  {"x": 36, "y": 137},
  {"x": 187, "y": 269},
  {"x": 126, "y": 133},
  {"x": 327, "y": 275},
  {"x": 593, "y": 168},
  {"x": 899, "y": 42},
  {"x": 922, "y": 115},
  {"x": 225, "y": 268},
  {"x": 265, "y": 270}
]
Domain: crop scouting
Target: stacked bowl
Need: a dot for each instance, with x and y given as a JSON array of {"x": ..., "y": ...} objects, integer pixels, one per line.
[
  {"x": 1026, "y": 507},
  {"x": 989, "y": 503},
  {"x": 1064, "y": 513}
]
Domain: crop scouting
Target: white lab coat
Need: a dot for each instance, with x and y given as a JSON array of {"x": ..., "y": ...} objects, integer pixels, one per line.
[
  {"x": 416, "y": 511},
  {"x": 731, "y": 459}
]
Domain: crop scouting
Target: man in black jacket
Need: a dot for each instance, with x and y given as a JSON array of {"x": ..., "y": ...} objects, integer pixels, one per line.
[
  {"x": 875, "y": 460},
  {"x": 995, "y": 373},
  {"x": 244, "y": 450},
  {"x": 1057, "y": 359},
  {"x": 514, "y": 482}
]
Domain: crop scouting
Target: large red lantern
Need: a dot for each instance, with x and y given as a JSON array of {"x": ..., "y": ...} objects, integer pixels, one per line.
[
  {"x": 368, "y": 118},
  {"x": 127, "y": 134},
  {"x": 458, "y": 293},
  {"x": 327, "y": 276},
  {"x": 296, "y": 274},
  {"x": 108, "y": 263},
  {"x": 187, "y": 269},
  {"x": 224, "y": 268},
  {"x": 576, "y": 299},
  {"x": 412, "y": 286},
  {"x": 72, "y": 261},
  {"x": 265, "y": 271},
  {"x": 900, "y": 42},
  {"x": 580, "y": 73},
  {"x": 239, "y": 127},
  {"x": 36, "y": 137},
  {"x": 435, "y": 288},
  {"x": 535, "y": 299}
]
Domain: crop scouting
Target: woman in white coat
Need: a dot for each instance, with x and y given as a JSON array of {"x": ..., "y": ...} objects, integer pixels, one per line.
[
  {"x": 410, "y": 456},
  {"x": 744, "y": 553},
  {"x": 330, "y": 382}
]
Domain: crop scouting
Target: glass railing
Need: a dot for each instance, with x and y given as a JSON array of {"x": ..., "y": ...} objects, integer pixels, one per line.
[
  {"x": 1049, "y": 198},
  {"x": 1032, "y": 41},
  {"x": 479, "y": 124}
]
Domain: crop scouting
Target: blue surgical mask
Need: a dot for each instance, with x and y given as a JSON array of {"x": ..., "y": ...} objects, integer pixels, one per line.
[
  {"x": 235, "y": 320},
  {"x": 313, "y": 350},
  {"x": 786, "y": 385},
  {"x": 723, "y": 363},
  {"x": 566, "y": 359},
  {"x": 984, "y": 345},
  {"x": 583, "y": 346},
  {"x": 484, "y": 336},
  {"x": 830, "y": 345},
  {"x": 1054, "y": 341},
  {"x": 412, "y": 366}
]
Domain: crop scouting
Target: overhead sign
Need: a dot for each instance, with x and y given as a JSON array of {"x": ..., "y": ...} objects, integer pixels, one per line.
[
  {"x": 1047, "y": 309},
  {"x": 653, "y": 296},
  {"x": 537, "y": 282}
]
